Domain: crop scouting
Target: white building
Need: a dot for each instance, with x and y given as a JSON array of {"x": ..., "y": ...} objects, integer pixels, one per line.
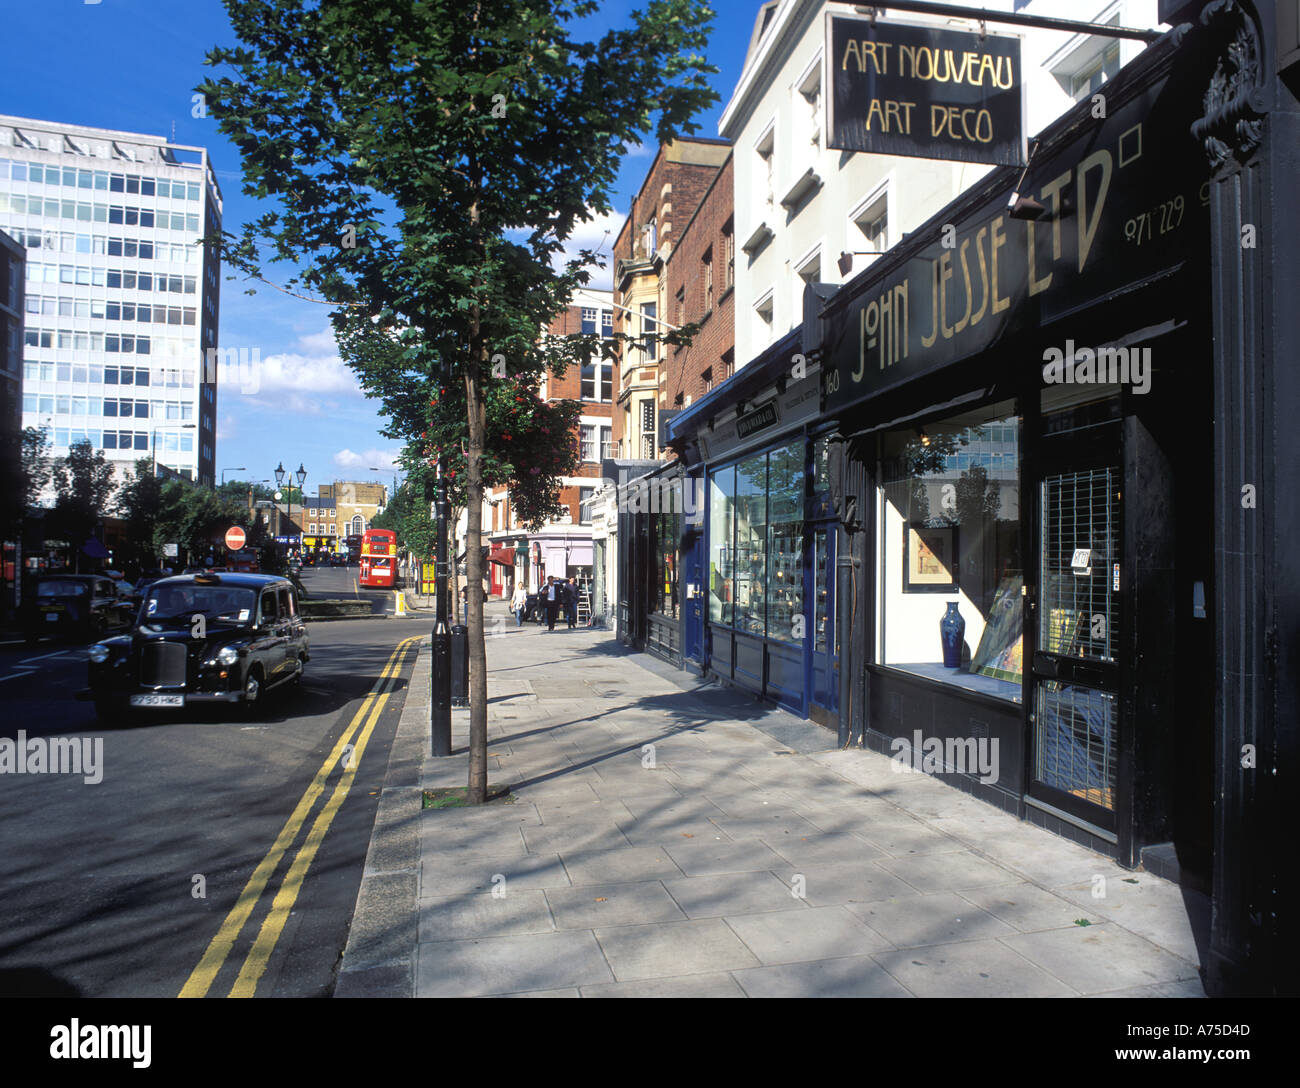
[
  {"x": 121, "y": 303},
  {"x": 799, "y": 204}
]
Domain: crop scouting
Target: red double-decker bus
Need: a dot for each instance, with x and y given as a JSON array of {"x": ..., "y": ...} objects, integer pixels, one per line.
[{"x": 378, "y": 558}]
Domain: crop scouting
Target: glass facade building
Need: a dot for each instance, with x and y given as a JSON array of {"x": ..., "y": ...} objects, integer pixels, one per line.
[{"x": 121, "y": 300}]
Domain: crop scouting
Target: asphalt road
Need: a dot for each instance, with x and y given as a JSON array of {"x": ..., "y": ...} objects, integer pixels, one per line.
[{"x": 214, "y": 856}]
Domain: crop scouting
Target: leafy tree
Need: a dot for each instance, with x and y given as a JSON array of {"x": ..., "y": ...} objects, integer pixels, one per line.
[
  {"x": 26, "y": 478},
  {"x": 139, "y": 502},
  {"x": 237, "y": 491},
  {"x": 430, "y": 161},
  {"x": 83, "y": 487}
]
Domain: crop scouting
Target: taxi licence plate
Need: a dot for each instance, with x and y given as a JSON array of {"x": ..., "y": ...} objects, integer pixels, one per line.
[{"x": 157, "y": 700}]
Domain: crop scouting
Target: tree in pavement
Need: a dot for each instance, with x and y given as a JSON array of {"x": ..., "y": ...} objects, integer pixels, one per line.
[
  {"x": 431, "y": 160},
  {"x": 83, "y": 489},
  {"x": 29, "y": 472}
]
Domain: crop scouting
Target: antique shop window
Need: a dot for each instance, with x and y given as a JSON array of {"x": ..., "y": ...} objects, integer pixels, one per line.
[
  {"x": 784, "y": 584},
  {"x": 722, "y": 513},
  {"x": 751, "y": 545},
  {"x": 950, "y": 569}
]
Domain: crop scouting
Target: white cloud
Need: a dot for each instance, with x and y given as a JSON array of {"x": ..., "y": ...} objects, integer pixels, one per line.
[
  {"x": 366, "y": 459},
  {"x": 298, "y": 376}
]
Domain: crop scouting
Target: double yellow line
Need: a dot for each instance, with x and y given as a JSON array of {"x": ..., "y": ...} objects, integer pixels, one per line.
[{"x": 255, "y": 964}]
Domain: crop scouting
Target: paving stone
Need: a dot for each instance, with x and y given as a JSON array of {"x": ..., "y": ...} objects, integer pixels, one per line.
[
  {"x": 601, "y": 905},
  {"x": 1027, "y": 907},
  {"x": 776, "y": 826},
  {"x": 574, "y": 836},
  {"x": 719, "y": 985},
  {"x": 1093, "y": 959},
  {"x": 706, "y": 858},
  {"x": 630, "y": 864},
  {"x": 972, "y": 969},
  {"x": 509, "y": 965},
  {"x": 792, "y": 936},
  {"x": 462, "y": 876},
  {"x": 944, "y": 872},
  {"x": 918, "y": 920},
  {"x": 731, "y": 893},
  {"x": 908, "y": 840},
  {"x": 850, "y": 976},
  {"x": 480, "y": 914},
  {"x": 657, "y": 951},
  {"x": 818, "y": 850},
  {"x": 832, "y": 884}
]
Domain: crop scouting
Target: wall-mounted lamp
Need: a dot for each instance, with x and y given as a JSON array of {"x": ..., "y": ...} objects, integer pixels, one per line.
[
  {"x": 1025, "y": 207},
  {"x": 845, "y": 261}
]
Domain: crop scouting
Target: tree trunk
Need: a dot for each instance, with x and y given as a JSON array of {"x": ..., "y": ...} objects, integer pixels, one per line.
[{"x": 473, "y": 536}]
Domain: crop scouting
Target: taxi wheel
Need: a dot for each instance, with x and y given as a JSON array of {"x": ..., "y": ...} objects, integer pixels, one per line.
[{"x": 252, "y": 700}]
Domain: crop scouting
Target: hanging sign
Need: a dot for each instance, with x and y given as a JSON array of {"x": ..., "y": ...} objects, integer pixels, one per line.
[{"x": 926, "y": 92}]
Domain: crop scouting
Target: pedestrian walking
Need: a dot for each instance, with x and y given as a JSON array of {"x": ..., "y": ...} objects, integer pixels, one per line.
[
  {"x": 571, "y": 602},
  {"x": 553, "y": 597},
  {"x": 519, "y": 604}
]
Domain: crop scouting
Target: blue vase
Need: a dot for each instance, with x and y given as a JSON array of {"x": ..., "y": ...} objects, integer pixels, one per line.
[{"x": 952, "y": 629}]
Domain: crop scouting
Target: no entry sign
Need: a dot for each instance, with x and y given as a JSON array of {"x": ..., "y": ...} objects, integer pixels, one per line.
[{"x": 235, "y": 538}]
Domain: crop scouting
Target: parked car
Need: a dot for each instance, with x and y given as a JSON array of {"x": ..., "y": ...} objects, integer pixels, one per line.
[
  {"x": 79, "y": 606},
  {"x": 204, "y": 638}
]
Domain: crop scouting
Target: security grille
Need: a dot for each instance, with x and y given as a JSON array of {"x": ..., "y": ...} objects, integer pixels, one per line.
[
  {"x": 162, "y": 664},
  {"x": 1076, "y": 726},
  {"x": 1080, "y": 513},
  {"x": 1076, "y": 741}
]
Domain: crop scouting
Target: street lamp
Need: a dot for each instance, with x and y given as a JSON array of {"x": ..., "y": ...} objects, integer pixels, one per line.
[{"x": 237, "y": 468}]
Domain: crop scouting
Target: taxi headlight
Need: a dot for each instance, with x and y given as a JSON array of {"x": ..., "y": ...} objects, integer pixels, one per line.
[
  {"x": 228, "y": 655},
  {"x": 99, "y": 653}
]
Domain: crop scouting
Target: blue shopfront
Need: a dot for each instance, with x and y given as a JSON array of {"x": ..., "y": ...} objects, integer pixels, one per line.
[{"x": 759, "y": 533}]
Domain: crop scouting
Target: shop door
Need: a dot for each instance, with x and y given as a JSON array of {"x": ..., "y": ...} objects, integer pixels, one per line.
[
  {"x": 822, "y": 662},
  {"x": 1075, "y": 710}
]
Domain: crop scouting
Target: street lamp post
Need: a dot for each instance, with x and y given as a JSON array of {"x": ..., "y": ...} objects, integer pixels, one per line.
[{"x": 237, "y": 468}]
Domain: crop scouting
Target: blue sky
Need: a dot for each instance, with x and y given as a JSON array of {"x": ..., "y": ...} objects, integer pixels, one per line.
[{"x": 132, "y": 65}]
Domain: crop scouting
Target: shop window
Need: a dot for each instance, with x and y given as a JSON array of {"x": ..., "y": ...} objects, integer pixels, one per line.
[
  {"x": 783, "y": 587},
  {"x": 950, "y": 570},
  {"x": 722, "y": 520},
  {"x": 665, "y": 531}
]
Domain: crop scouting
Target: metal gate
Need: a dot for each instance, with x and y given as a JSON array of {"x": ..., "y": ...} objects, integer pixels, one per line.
[{"x": 1076, "y": 674}]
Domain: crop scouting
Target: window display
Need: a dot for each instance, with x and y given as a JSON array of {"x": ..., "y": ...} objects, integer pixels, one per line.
[
  {"x": 951, "y": 577},
  {"x": 756, "y": 529}
]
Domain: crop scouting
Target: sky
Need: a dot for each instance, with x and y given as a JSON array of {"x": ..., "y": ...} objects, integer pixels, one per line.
[{"x": 132, "y": 65}]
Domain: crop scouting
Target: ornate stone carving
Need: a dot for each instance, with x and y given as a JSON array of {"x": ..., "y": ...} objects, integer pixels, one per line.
[{"x": 1233, "y": 124}]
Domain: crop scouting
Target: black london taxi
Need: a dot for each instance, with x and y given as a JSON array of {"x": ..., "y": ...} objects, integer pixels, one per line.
[
  {"x": 79, "y": 606},
  {"x": 202, "y": 638}
]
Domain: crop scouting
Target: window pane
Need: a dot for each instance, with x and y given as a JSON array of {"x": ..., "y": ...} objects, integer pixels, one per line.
[
  {"x": 784, "y": 586},
  {"x": 722, "y": 516},
  {"x": 751, "y": 544},
  {"x": 951, "y": 551}
]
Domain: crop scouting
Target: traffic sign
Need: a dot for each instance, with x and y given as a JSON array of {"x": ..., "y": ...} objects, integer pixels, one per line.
[{"x": 235, "y": 538}]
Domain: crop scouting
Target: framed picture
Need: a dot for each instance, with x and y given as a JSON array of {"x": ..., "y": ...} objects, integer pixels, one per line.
[{"x": 929, "y": 558}]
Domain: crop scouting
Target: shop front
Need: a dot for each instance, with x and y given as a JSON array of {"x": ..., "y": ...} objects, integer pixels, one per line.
[
  {"x": 757, "y": 536},
  {"x": 1024, "y": 415}
]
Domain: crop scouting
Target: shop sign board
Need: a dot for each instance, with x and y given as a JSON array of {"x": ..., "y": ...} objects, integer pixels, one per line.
[
  {"x": 1125, "y": 201},
  {"x": 922, "y": 91}
]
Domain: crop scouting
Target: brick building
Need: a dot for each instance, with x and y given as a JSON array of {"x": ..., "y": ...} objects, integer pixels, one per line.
[
  {"x": 562, "y": 547},
  {"x": 682, "y": 172},
  {"x": 700, "y": 282}
]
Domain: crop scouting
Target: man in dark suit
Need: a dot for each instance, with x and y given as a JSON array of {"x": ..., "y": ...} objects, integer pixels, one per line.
[
  {"x": 553, "y": 597},
  {"x": 571, "y": 602}
]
